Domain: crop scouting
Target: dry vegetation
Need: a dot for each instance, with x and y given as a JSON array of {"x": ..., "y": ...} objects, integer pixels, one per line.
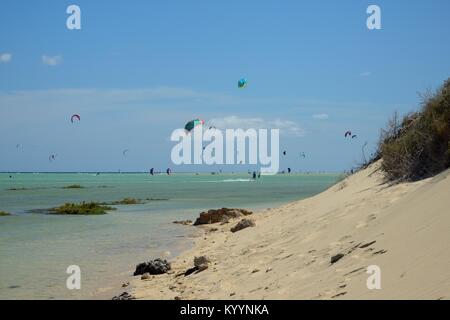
[{"x": 418, "y": 146}]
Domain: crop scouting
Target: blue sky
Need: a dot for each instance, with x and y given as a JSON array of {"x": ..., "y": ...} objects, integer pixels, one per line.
[{"x": 139, "y": 69}]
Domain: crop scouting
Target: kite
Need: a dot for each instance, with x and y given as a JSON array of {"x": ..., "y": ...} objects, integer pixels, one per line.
[
  {"x": 242, "y": 83},
  {"x": 348, "y": 133},
  {"x": 192, "y": 124},
  {"x": 75, "y": 116},
  {"x": 124, "y": 152}
]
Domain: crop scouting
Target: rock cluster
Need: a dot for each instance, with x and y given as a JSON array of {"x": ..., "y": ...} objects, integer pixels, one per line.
[
  {"x": 157, "y": 266},
  {"x": 220, "y": 215}
]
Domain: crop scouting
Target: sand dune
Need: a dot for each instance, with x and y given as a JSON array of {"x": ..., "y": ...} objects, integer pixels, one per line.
[{"x": 404, "y": 229}]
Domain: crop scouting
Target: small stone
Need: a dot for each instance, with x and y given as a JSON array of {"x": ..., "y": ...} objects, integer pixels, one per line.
[
  {"x": 244, "y": 223},
  {"x": 201, "y": 263},
  {"x": 198, "y": 261},
  {"x": 145, "y": 276}
]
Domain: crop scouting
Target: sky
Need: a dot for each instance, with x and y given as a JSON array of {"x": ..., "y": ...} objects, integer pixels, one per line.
[{"x": 137, "y": 70}]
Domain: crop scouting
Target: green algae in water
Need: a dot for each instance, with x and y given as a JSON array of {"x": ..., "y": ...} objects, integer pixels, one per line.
[{"x": 84, "y": 208}]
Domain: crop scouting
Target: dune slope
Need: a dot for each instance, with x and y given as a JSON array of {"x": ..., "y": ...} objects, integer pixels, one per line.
[{"x": 404, "y": 229}]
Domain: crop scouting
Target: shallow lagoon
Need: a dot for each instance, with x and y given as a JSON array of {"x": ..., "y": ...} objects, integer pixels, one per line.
[{"x": 36, "y": 249}]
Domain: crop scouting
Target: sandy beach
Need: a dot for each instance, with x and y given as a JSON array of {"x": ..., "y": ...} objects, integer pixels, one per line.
[{"x": 404, "y": 229}]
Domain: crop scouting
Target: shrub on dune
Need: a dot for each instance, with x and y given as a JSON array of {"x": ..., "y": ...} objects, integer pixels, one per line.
[{"x": 418, "y": 146}]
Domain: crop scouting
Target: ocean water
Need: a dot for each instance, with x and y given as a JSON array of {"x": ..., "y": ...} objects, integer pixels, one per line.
[{"x": 36, "y": 248}]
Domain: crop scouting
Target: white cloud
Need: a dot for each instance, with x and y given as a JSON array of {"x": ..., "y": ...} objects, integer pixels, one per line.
[
  {"x": 320, "y": 116},
  {"x": 365, "y": 74},
  {"x": 52, "y": 60},
  {"x": 235, "y": 122},
  {"x": 5, "y": 57}
]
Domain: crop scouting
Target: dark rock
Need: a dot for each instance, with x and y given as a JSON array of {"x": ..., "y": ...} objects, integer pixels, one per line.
[
  {"x": 157, "y": 266},
  {"x": 244, "y": 223},
  {"x": 336, "y": 258},
  {"x": 124, "y": 296},
  {"x": 220, "y": 215}
]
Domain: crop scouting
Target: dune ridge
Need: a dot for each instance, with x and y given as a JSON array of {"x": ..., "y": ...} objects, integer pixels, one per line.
[{"x": 361, "y": 221}]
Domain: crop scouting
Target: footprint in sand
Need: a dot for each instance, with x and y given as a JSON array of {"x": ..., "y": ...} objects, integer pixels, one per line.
[
  {"x": 339, "y": 295},
  {"x": 356, "y": 271},
  {"x": 362, "y": 246},
  {"x": 382, "y": 251}
]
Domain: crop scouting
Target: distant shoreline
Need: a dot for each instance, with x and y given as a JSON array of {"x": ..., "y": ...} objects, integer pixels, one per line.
[{"x": 163, "y": 173}]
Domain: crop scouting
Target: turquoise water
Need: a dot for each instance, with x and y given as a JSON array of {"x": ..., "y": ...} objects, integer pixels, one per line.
[{"x": 36, "y": 249}]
